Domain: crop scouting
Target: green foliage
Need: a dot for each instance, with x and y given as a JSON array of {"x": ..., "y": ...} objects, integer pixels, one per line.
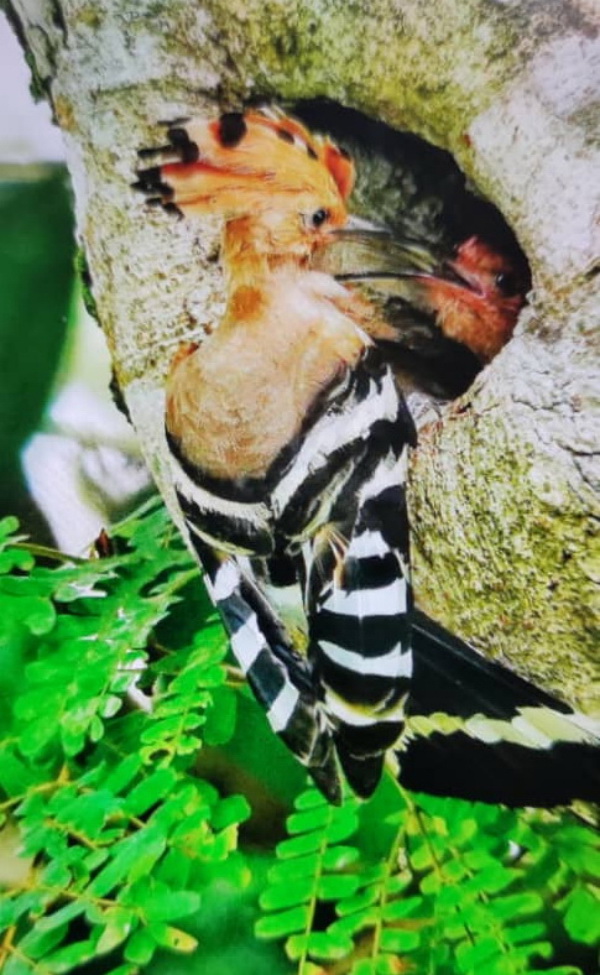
[
  {"x": 118, "y": 717},
  {"x": 313, "y": 868},
  {"x": 465, "y": 889},
  {"x": 115, "y": 828}
]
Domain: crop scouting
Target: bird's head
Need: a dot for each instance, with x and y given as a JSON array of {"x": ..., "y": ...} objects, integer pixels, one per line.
[
  {"x": 489, "y": 273},
  {"x": 477, "y": 296},
  {"x": 281, "y": 190}
]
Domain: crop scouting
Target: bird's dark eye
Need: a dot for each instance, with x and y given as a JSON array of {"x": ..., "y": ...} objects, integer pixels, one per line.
[
  {"x": 319, "y": 217},
  {"x": 506, "y": 283}
]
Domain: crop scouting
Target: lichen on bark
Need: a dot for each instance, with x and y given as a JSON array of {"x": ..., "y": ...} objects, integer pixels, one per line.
[{"x": 503, "y": 499}]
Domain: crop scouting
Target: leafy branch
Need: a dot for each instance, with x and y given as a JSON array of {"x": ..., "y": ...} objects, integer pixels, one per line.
[
  {"x": 464, "y": 889},
  {"x": 111, "y": 819}
]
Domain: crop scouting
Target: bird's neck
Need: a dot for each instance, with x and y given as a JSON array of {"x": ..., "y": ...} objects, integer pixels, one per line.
[{"x": 250, "y": 258}]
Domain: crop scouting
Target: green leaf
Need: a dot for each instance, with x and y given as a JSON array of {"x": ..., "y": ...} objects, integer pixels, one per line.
[
  {"x": 582, "y": 859},
  {"x": 39, "y": 941},
  {"x": 132, "y": 857},
  {"x": 400, "y": 942},
  {"x": 173, "y": 938},
  {"x": 406, "y": 907},
  {"x": 522, "y": 933},
  {"x": 472, "y": 957},
  {"x": 111, "y": 705},
  {"x": 354, "y": 923},
  {"x": 421, "y": 857},
  {"x": 319, "y": 944},
  {"x": 158, "y": 902},
  {"x": 306, "y": 866},
  {"x": 65, "y": 959},
  {"x": 582, "y": 918},
  {"x": 87, "y": 813},
  {"x": 308, "y": 820},
  {"x": 432, "y": 884},
  {"x": 8, "y": 526},
  {"x": 284, "y": 923},
  {"x": 333, "y": 887},
  {"x": 15, "y": 775},
  {"x": 150, "y": 791},
  {"x": 221, "y": 717},
  {"x": 16, "y": 966},
  {"x": 338, "y": 858},
  {"x": 309, "y": 799},
  {"x": 343, "y": 824},
  {"x": 230, "y": 812},
  {"x": 384, "y": 965},
  {"x": 123, "y": 774},
  {"x": 295, "y": 890},
  {"x": 576, "y": 834},
  {"x": 299, "y": 846},
  {"x": 140, "y": 947},
  {"x": 359, "y": 901},
  {"x": 491, "y": 879},
  {"x": 514, "y": 905},
  {"x": 118, "y": 925}
]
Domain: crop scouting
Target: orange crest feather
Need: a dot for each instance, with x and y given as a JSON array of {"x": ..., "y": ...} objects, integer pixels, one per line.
[{"x": 250, "y": 162}]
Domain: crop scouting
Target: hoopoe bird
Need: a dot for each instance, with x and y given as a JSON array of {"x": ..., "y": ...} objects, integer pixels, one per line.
[{"x": 288, "y": 438}]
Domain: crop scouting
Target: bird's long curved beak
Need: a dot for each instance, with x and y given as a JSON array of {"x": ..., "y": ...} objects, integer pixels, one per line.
[{"x": 383, "y": 259}]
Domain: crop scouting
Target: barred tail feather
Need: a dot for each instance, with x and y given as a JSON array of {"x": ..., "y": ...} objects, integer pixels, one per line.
[
  {"x": 359, "y": 631},
  {"x": 478, "y": 731}
]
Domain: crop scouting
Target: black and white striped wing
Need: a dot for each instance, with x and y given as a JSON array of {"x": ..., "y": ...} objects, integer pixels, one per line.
[
  {"x": 277, "y": 674},
  {"x": 224, "y": 531},
  {"x": 354, "y": 566}
]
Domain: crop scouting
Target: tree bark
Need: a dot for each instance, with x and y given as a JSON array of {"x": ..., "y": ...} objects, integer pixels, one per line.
[{"x": 504, "y": 492}]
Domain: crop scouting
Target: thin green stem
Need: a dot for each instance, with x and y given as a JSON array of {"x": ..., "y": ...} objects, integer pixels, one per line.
[
  {"x": 390, "y": 866},
  {"x": 46, "y": 552},
  {"x": 302, "y": 961}
]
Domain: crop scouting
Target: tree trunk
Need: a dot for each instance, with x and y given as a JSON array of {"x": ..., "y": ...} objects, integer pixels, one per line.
[{"x": 502, "y": 494}]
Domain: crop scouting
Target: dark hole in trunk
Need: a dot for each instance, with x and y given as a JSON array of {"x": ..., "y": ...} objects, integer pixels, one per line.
[{"x": 418, "y": 192}]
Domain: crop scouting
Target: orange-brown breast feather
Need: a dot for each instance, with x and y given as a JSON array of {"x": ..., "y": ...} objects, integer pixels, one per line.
[{"x": 244, "y": 395}]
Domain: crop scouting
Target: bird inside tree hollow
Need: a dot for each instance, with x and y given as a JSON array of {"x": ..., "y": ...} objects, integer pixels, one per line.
[
  {"x": 288, "y": 438},
  {"x": 448, "y": 276},
  {"x": 473, "y": 295}
]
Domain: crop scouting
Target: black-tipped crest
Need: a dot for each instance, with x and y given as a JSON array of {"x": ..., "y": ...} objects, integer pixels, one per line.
[
  {"x": 173, "y": 209},
  {"x": 187, "y": 150},
  {"x": 284, "y": 135},
  {"x": 149, "y": 181},
  {"x": 232, "y": 129},
  {"x": 171, "y": 123},
  {"x": 152, "y": 151}
]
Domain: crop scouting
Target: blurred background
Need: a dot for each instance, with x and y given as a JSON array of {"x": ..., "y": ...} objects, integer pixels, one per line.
[{"x": 69, "y": 462}]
